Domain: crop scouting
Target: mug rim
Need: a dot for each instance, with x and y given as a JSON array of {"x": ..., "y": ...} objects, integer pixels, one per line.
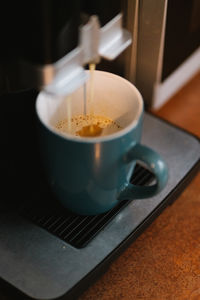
[{"x": 99, "y": 139}]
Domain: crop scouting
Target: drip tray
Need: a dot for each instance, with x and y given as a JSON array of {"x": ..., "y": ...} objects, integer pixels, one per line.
[
  {"x": 49, "y": 253},
  {"x": 79, "y": 230}
]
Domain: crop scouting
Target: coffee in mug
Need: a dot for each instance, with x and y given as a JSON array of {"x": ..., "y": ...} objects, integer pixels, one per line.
[{"x": 88, "y": 126}]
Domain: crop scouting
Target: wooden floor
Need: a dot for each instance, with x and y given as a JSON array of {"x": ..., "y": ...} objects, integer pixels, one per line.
[
  {"x": 164, "y": 262},
  {"x": 184, "y": 108}
]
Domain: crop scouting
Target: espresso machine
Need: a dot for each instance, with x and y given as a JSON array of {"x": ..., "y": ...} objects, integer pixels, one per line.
[{"x": 47, "y": 252}]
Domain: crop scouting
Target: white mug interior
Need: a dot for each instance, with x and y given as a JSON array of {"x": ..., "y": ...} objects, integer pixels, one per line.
[{"x": 114, "y": 97}]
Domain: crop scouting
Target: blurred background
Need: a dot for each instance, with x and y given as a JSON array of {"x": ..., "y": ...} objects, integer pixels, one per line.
[{"x": 165, "y": 53}]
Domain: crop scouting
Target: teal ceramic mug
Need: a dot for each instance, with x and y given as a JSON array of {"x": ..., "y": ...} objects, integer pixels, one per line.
[{"x": 90, "y": 176}]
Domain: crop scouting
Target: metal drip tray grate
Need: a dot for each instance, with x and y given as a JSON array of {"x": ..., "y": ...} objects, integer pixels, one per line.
[{"x": 77, "y": 230}]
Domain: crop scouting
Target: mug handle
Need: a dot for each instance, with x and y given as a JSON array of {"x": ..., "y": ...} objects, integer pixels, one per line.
[{"x": 156, "y": 165}]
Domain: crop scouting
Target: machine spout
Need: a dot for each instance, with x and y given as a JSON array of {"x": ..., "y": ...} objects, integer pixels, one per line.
[{"x": 94, "y": 42}]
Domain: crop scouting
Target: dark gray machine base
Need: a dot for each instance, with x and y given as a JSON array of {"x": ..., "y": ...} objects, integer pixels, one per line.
[{"x": 38, "y": 265}]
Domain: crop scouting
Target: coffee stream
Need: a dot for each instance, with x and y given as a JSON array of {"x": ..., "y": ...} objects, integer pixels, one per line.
[
  {"x": 92, "y": 129},
  {"x": 88, "y": 124},
  {"x": 92, "y": 68},
  {"x": 69, "y": 113}
]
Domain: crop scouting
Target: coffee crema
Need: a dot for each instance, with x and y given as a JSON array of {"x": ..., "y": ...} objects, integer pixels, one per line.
[{"x": 88, "y": 126}]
